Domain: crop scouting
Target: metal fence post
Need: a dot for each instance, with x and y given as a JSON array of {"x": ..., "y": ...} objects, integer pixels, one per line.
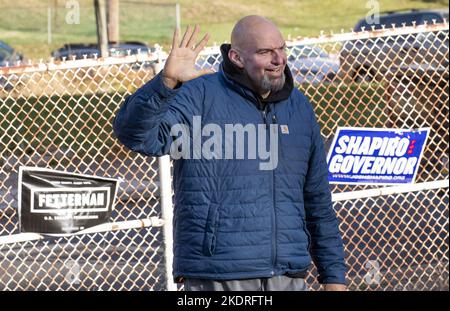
[
  {"x": 165, "y": 184},
  {"x": 49, "y": 25},
  {"x": 165, "y": 180}
]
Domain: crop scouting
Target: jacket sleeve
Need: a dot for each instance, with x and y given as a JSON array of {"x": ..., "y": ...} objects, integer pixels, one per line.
[
  {"x": 144, "y": 121},
  {"x": 326, "y": 241}
]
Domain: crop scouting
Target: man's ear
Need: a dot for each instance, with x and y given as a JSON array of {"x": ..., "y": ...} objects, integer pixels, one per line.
[{"x": 233, "y": 55}]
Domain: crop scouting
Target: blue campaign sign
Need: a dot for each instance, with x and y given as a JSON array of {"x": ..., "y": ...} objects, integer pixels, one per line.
[{"x": 375, "y": 156}]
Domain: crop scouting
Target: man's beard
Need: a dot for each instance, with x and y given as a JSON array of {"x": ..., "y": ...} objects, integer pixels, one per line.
[{"x": 272, "y": 85}]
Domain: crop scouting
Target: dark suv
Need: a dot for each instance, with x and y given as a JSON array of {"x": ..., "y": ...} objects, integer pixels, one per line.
[{"x": 384, "y": 57}]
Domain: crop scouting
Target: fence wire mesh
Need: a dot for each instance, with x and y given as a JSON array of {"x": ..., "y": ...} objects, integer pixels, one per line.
[{"x": 60, "y": 115}]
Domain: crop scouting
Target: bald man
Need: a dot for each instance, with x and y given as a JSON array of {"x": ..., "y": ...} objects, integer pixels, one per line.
[{"x": 245, "y": 218}]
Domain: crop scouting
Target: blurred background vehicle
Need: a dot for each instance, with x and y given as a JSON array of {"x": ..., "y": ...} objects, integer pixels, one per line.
[
  {"x": 8, "y": 55},
  {"x": 365, "y": 60},
  {"x": 312, "y": 64},
  {"x": 78, "y": 50}
]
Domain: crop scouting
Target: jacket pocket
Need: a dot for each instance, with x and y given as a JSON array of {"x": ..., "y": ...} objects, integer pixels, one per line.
[
  {"x": 212, "y": 224},
  {"x": 308, "y": 235}
]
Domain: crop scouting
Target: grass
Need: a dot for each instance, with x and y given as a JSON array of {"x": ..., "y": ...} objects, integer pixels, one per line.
[
  {"x": 69, "y": 122},
  {"x": 24, "y": 25},
  {"x": 353, "y": 105}
]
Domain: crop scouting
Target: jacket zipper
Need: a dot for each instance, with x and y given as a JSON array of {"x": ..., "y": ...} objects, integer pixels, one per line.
[
  {"x": 274, "y": 121},
  {"x": 274, "y": 222},
  {"x": 264, "y": 115}
]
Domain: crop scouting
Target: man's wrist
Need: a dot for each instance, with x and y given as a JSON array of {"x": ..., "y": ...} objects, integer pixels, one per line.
[{"x": 169, "y": 82}]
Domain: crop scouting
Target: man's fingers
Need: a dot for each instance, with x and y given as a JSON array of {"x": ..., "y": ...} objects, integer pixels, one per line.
[
  {"x": 186, "y": 37},
  {"x": 191, "y": 41},
  {"x": 201, "y": 45},
  {"x": 175, "y": 38}
]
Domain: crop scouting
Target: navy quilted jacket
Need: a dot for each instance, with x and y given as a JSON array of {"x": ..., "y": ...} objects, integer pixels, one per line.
[{"x": 233, "y": 220}]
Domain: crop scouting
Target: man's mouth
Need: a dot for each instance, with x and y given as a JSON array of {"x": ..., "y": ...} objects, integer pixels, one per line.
[
  {"x": 275, "y": 71},
  {"x": 278, "y": 69}
]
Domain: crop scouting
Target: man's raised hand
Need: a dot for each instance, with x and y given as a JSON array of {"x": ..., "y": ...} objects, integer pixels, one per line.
[{"x": 180, "y": 64}]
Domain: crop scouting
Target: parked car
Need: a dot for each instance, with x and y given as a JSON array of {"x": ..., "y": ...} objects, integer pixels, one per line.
[
  {"x": 374, "y": 58},
  {"x": 311, "y": 64},
  {"x": 80, "y": 49},
  {"x": 8, "y": 55}
]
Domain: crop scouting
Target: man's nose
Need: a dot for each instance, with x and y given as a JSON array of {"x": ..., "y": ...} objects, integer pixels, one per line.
[{"x": 278, "y": 57}]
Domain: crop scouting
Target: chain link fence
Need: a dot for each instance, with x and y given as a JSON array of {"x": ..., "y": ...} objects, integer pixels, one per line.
[{"x": 60, "y": 115}]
